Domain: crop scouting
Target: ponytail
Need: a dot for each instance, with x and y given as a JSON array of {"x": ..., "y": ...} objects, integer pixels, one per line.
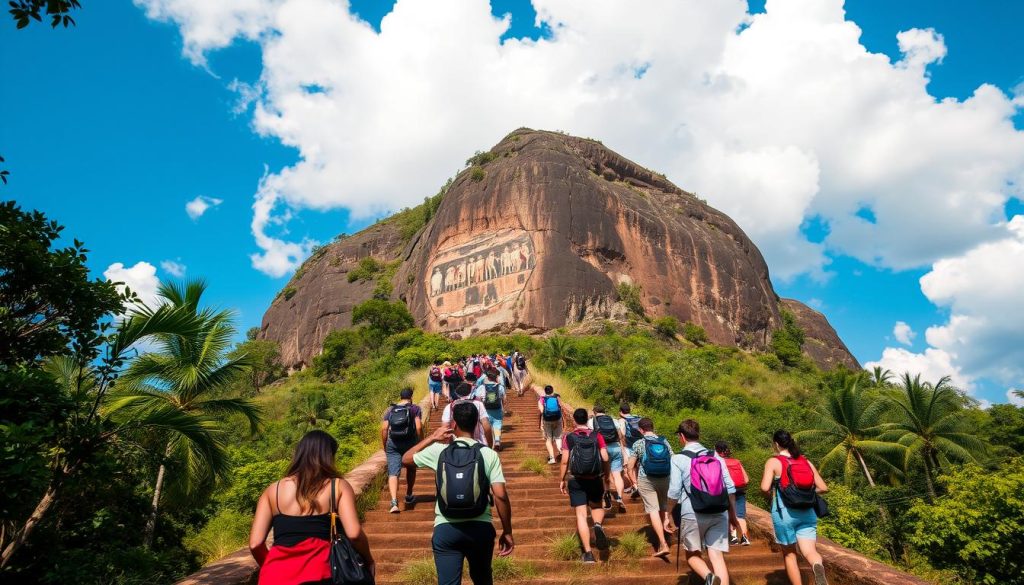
[{"x": 787, "y": 442}]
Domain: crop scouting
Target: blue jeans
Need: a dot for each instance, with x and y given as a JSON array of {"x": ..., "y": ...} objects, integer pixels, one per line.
[
  {"x": 495, "y": 417},
  {"x": 471, "y": 541}
]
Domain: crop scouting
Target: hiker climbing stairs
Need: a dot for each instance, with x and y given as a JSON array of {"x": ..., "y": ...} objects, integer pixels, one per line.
[{"x": 541, "y": 517}]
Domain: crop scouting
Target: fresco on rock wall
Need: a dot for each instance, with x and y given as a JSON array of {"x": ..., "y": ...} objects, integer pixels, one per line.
[{"x": 474, "y": 285}]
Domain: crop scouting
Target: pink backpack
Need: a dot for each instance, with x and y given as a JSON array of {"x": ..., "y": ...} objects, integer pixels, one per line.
[{"x": 707, "y": 486}]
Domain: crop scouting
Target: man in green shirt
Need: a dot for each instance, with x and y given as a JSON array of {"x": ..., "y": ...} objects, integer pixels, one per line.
[{"x": 470, "y": 539}]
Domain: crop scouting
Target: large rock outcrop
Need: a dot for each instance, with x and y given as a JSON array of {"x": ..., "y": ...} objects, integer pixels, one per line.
[
  {"x": 537, "y": 236},
  {"x": 821, "y": 342}
]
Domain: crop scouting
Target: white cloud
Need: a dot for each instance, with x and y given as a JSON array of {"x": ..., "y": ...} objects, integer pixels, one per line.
[
  {"x": 772, "y": 118},
  {"x": 140, "y": 278},
  {"x": 198, "y": 206},
  {"x": 1012, "y": 398},
  {"x": 904, "y": 333},
  {"x": 932, "y": 364},
  {"x": 921, "y": 47},
  {"x": 175, "y": 269}
]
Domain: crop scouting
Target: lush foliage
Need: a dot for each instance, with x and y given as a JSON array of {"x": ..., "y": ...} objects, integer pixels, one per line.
[
  {"x": 667, "y": 326},
  {"x": 695, "y": 334},
  {"x": 629, "y": 295},
  {"x": 788, "y": 340}
]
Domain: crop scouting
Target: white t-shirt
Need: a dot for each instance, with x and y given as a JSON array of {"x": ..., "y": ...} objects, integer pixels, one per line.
[{"x": 479, "y": 435}]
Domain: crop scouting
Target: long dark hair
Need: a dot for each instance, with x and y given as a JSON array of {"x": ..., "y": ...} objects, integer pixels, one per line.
[
  {"x": 787, "y": 442},
  {"x": 312, "y": 465}
]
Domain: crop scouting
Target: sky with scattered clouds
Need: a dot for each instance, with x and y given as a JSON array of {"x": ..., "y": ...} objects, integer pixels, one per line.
[{"x": 873, "y": 152}]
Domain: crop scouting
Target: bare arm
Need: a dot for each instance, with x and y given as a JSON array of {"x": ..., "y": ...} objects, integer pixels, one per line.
[
  {"x": 819, "y": 483},
  {"x": 260, "y": 527},
  {"x": 440, "y": 434},
  {"x": 503, "y": 505},
  {"x": 384, "y": 434},
  {"x": 419, "y": 427},
  {"x": 564, "y": 472},
  {"x": 350, "y": 521},
  {"x": 769, "y": 475}
]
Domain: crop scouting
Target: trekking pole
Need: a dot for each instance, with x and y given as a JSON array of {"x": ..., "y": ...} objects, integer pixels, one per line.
[{"x": 679, "y": 538}]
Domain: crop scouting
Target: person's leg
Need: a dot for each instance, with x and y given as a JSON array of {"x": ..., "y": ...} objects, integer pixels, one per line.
[
  {"x": 792, "y": 567},
  {"x": 809, "y": 550},
  {"x": 410, "y": 480},
  {"x": 617, "y": 482},
  {"x": 481, "y": 552},
  {"x": 549, "y": 447},
  {"x": 582, "y": 528},
  {"x": 714, "y": 535},
  {"x": 649, "y": 495},
  {"x": 393, "y": 487},
  {"x": 697, "y": 564},
  {"x": 718, "y": 567},
  {"x": 394, "y": 463},
  {"x": 448, "y": 557},
  {"x": 743, "y": 528}
]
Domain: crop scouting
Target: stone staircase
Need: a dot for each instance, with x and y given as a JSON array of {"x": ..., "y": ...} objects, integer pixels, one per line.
[{"x": 540, "y": 514}]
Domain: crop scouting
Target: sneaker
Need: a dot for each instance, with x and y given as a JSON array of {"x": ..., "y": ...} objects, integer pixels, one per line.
[
  {"x": 588, "y": 558},
  {"x": 712, "y": 579},
  {"x": 601, "y": 539},
  {"x": 410, "y": 499},
  {"x": 551, "y": 460},
  {"x": 628, "y": 490},
  {"x": 607, "y": 501},
  {"x": 497, "y": 446},
  {"x": 744, "y": 541},
  {"x": 620, "y": 504},
  {"x": 635, "y": 495},
  {"x": 394, "y": 507},
  {"x": 819, "y": 574},
  {"x": 733, "y": 541}
]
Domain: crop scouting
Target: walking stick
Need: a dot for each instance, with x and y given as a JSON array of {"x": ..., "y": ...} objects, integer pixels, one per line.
[{"x": 679, "y": 536}]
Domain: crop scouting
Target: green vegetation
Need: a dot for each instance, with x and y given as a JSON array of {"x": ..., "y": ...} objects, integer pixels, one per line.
[
  {"x": 288, "y": 292},
  {"x": 477, "y": 174},
  {"x": 695, "y": 334},
  {"x": 367, "y": 269},
  {"x": 788, "y": 340},
  {"x": 418, "y": 571},
  {"x": 480, "y": 158},
  {"x": 629, "y": 295},
  {"x": 667, "y": 326},
  {"x": 565, "y": 547},
  {"x": 411, "y": 220},
  {"x": 630, "y": 546},
  {"x": 510, "y": 569},
  {"x": 535, "y": 464}
]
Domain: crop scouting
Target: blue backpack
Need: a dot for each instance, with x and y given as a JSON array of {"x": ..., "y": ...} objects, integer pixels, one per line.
[
  {"x": 657, "y": 457},
  {"x": 552, "y": 408}
]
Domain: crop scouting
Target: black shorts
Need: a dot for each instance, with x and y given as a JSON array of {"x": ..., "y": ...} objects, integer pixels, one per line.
[{"x": 584, "y": 491}]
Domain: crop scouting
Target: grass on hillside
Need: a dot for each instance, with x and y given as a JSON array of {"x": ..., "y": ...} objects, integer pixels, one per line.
[
  {"x": 563, "y": 387},
  {"x": 630, "y": 546},
  {"x": 510, "y": 569},
  {"x": 418, "y": 571},
  {"x": 536, "y": 465}
]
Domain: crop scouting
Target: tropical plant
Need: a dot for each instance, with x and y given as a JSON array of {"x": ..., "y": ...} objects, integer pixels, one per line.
[
  {"x": 787, "y": 341},
  {"x": 930, "y": 423},
  {"x": 183, "y": 376},
  {"x": 847, "y": 425},
  {"x": 559, "y": 351},
  {"x": 880, "y": 376},
  {"x": 312, "y": 411}
]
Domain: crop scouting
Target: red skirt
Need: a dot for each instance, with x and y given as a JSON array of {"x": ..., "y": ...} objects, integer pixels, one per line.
[{"x": 306, "y": 562}]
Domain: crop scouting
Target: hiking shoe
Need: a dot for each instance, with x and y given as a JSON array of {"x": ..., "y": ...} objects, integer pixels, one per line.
[
  {"x": 733, "y": 541},
  {"x": 394, "y": 507},
  {"x": 620, "y": 504},
  {"x": 712, "y": 579},
  {"x": 551, "y": 460},
  {"x": 600, "y": 537},
  {"x": 744, "y": 541},
  {"x": 819, "y": 574},
  {"x": 410, "y": 499},
  {"x": 607, "y": 501},
  {"x": 628, "y": 490},
  {"x": 588, "y": 558},
  {"x": 635, "y": 495}
]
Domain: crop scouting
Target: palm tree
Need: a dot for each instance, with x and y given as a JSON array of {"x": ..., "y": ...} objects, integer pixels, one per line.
[
  {"x": 183, "y": 375},
  {"x": 1018, "y": 393},
  {"x": 848, "y": 425},
  {"x": 930, "y": 423},
  {"x": 560, "y": 352},
  {"x": 312, "y": 411},
  {"x": 880, "y": 376}
]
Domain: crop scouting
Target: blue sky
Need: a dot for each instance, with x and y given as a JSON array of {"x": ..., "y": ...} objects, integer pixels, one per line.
[{"x": 111, "y": 131}]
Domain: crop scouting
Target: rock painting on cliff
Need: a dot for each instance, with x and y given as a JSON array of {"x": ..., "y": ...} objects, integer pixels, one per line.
[{"x": 473, "y": 285}]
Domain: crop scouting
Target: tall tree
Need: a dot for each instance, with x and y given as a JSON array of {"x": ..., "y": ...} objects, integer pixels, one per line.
[
  {"x": 183, "y": 375},
  {"x": 57, "y": 11},
  {"x": 848, "y": 425},
  {"x": 880, "y": 376},
  {"x": 930, "y": 423}
]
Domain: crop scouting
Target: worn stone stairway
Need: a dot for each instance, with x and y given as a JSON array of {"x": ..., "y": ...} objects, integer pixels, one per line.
[{"x": 541, "y": 514}]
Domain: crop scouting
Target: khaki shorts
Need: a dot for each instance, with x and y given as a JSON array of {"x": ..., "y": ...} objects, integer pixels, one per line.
[
  {"x": 552, "y": 429},
  {"x": 654, "y": 493},
  {"x": 709, "y": 530}
]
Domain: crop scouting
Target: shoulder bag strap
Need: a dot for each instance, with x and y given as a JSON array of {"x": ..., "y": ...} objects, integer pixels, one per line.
[{"x": 334, "y": 512}]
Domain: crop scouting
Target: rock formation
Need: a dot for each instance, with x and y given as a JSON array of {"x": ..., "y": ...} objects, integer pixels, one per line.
[
  {"x": 539, "y": 234},
  {"x": 821, "y": 342}
]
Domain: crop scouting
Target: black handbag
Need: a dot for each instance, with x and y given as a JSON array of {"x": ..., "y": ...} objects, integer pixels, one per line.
[
  {"x": 821, "y": 506},
  {"x": 347, "y": 565}
]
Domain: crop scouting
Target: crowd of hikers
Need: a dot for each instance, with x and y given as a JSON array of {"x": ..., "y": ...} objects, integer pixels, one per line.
[{"x": 696, "y": 497}]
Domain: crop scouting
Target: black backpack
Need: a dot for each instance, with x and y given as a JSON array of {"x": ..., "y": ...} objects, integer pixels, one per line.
[
  {"x": 521, "y": 363},
  {"x": 492, "y": 398},
  {"x": 400, "y": 425},
  {"x": 606, "y": 426},
  {"x": 463, "y": 489},
  {"x": 633, "y": 432},
  {"x": 584, "y": 455}
]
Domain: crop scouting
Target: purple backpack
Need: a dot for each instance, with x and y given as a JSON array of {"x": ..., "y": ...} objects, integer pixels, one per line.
[{"x": 707, "y": 486}]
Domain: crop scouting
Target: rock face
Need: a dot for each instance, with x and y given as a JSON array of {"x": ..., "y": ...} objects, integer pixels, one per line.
[
  {"x": 821, "y": 342},
  {"x": 538, "y": 237}
]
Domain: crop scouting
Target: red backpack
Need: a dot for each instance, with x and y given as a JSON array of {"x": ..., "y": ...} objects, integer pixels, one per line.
[
  {"x": 796, "y": 483},
  {"x": 736, "y": 472}
]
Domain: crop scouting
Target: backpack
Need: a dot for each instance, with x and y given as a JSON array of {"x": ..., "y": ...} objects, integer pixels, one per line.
[
  {"x": 707, "y": 492},
  {"x": 400, "y": 425},
  {"x": 492, "y": 398},
  {"x": 463, "y": 488},
  {"x": 584, "y": 455},
  {"x": 435, "y": 374},
  {"x": 657, "y": 457},
  {"x": 552, "y": 408},
  {"x": 606, "y": 426},
  {"x": 521, "y": 363},
  {"x": 796, "y": 483},
  {"x": 736, "y": 473},
  {"x": 633, "y": 432}
]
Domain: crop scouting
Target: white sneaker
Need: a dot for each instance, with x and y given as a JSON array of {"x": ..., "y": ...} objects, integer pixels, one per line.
[{"x": 551, "y": 460}]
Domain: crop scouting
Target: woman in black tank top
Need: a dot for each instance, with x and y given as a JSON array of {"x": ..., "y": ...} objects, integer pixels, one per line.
[{"x": 298, "y": 507}]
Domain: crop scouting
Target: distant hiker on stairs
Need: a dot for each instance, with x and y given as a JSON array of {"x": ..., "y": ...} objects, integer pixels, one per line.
[
  {"x": 467, "y": 472},
  {"x": 651, "y": 462},
  {"x": 612, "y": 431},
  {"x": 435, "y": 381},
  {"x": 401, "y": 428},
  {"x": 464, "y": 393},
  {"x": 550, "y": 407}
]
